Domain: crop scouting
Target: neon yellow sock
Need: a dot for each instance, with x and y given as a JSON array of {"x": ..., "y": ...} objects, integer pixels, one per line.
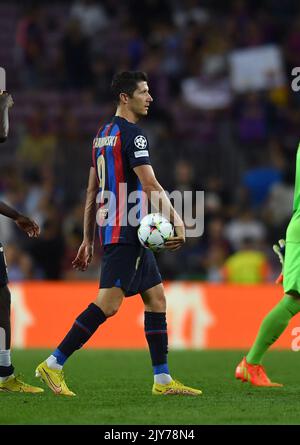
[{"x": 272, "y": 327}]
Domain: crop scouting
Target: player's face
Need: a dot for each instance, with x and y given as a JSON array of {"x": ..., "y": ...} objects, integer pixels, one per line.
[{"x": 140, "y": 101}]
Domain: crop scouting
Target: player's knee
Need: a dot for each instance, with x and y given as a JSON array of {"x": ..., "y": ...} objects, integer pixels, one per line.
[
  {"x": 161, "y": 305},
  {"x": 111, "y": 311},
  {"x": 157, "y": 304},
  {"x": 109, "y": 301},
  {"x": 292, "y": 302},
  {"x": 5, "y": 298}
]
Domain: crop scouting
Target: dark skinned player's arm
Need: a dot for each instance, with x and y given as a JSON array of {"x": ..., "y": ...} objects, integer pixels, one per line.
[
  {"x": 23, "y": 222},
  {"x": 8, "y": 211},
  {"x": 90, "y": 210}
]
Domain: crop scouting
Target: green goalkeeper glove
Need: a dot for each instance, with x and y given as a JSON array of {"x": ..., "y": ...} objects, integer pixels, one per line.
[{"x": 279, "y": 249}]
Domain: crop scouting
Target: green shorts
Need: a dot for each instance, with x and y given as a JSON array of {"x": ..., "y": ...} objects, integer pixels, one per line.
[{"x": 291, "y": 268}]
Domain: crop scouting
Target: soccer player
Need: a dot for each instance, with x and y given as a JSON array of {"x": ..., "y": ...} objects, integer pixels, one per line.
[
  {"x": 8, "y": 381},
  {"x": 121, "y": 156},
  {"x": 273, "y": 325}
]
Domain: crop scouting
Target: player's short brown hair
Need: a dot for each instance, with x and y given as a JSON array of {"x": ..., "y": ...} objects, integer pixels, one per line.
[{"x": 126, "y": 82}]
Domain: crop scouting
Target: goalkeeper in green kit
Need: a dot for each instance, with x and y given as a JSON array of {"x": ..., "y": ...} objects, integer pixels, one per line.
[{"x": 276, "y": 321}]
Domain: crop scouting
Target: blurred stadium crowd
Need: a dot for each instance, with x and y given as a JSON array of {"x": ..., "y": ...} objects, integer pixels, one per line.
[{"x": 237, "y": 143}]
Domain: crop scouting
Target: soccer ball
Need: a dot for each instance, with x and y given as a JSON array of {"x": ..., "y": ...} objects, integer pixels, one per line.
[{"x": 154, "y": 230}]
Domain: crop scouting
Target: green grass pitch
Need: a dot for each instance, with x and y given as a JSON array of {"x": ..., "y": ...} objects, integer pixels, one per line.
[{"x": 114, "y": 388}]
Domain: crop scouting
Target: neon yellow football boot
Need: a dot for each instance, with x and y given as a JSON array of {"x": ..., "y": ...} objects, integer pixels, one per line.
[
  {"x": 14, "y": 384},
  {"x": 174, "y": 388},
  {"x": 54, "y": 379}
]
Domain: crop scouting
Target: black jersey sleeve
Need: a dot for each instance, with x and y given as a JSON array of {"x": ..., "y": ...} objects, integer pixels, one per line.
[{"x": 137, "y": 148}]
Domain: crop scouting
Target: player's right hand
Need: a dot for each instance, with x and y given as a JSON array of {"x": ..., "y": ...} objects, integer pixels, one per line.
[
  {"x": 28, "y": 226},
  {"x": 84, "y": 256},
  {"x": 175, "y": 242}
]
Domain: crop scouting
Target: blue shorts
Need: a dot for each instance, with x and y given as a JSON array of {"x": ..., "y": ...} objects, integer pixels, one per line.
[
  {"x": 3, "y": 268},
  {"x": 132, "y": 268}
]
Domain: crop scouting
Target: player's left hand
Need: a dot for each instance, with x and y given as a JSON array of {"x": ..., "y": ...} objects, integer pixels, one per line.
[
  {"x": 84, "y": 256},
  {"x": 28, "y": 226}
]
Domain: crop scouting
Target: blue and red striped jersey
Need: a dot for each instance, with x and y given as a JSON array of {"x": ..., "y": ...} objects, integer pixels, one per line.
[{"x": 119, "y": 147}]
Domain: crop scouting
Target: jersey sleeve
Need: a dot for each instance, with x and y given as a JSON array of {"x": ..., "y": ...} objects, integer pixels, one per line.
[{"x": 137, "y": 148}]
